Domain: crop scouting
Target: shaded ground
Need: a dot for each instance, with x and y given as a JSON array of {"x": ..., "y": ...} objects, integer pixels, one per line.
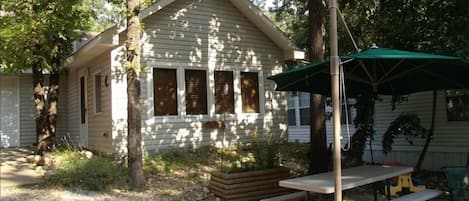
[
  {"x": 182, "y": 184},
  {"x": 15, "y": 170}
]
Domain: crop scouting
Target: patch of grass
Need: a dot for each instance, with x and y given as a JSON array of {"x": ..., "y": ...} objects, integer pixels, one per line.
[
  {"x": 294, "y": 156},
  {"x": 74, "y": 168},
  {"x": 179, "y": 161},
  {"x": 172, "y": 159}
]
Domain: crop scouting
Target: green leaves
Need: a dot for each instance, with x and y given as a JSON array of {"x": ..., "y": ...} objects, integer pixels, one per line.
[
  {"x": 40, "y": 32},
  {"x": 406, "y": 125},
  {"x": 437, "y": 26}
]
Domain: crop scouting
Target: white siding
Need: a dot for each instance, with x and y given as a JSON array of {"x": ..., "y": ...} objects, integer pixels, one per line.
[
  {"x": 118, "y": 102},
  {"x": 99, "y": 124},
  {"x": 448, "y": 147},
  {"x": 73, "y": 108},
  {"x": 9, "y": 111},
  {"x": 450, "y": 141},
  {"x": 210, "y": 35},
  {"x": 27, "y": 123},
  {"x": 301, "y": 133}
]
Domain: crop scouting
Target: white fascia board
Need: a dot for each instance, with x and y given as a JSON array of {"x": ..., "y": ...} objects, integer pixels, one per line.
[
  {"x": 155, "y": 8},
  {"x": 109, "y": 37},
  {"x": 267, "y": 27}
]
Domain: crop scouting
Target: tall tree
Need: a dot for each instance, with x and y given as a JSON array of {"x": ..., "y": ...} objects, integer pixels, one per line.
[
  {"x": 38, "y": 34},
  {"x": 318, "y": 156},
  {"x": 134, "y": 109}
]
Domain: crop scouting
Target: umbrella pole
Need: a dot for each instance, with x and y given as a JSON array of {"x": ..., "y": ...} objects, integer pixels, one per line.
[{"x": 334, "y": 68}]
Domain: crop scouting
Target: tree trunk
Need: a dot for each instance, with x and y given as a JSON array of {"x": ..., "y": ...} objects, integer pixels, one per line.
[
  {"x": 39, "y": 104},
  {"x": 47, "y": 138},
  {"x": 134, "y": 135},
  {"x": 429, "y": 136},
  {"x": 364, "y": 123},
  {"x": 318, "y": 155}
]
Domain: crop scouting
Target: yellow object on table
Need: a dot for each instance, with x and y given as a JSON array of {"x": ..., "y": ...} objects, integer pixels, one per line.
[{"x": 404, "y": 181}]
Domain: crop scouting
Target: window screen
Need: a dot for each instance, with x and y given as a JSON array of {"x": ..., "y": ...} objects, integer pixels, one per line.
[
  {"x": 165, "y": 91},
  {"x": 250, "y": 92},
  {"x": 196, "y": 91},
  {"x": 224, "y": 93}
]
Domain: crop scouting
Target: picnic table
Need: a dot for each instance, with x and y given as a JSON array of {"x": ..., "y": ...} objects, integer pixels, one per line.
[{"x": 351, "y": 177}]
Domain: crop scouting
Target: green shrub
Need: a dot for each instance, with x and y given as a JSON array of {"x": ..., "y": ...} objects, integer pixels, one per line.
[
  {"x": 174, "y": 159},
  {"x": 75, "y": 169},
  {"x": 262, "y": 153}
]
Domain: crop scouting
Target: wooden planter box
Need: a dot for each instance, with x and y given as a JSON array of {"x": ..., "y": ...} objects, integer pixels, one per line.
[{"x": 248, "y": 186}]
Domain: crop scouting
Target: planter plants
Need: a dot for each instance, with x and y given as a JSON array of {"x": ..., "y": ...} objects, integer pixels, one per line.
[{"x": 249, "y": 171}]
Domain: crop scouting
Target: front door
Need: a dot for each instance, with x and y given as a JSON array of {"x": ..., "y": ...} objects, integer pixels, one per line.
[
  {"x": 9, "y": 112},
  {"x": 83, "y": 105}
]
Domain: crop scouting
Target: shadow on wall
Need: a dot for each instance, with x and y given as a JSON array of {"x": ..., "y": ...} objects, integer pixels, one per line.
[{"x": 187, "y": 39}]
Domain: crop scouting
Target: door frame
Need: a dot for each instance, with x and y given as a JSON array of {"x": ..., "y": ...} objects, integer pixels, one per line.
[{"x": 83, "y": 105}]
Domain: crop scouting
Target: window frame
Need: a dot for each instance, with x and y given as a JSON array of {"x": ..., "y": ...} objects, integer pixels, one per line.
[
  {"x": 260, "y": 96},
  {"x": 293, "y": 97},
  {"x": 207, "y": 96},
  {"x": 152, "y": 91},
  {"x": 181, "y": 115},
  {"x": 233, "y": 77},
  {"x": 447, "y": 109},
  {"x": 300, "y": 107}
]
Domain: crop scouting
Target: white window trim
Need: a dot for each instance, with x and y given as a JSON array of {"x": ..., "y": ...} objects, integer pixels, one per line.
[
  {"x": 294, "y": 108},
  {"x": 182, "y": 115},
  {"x": 94, "y": 92}
]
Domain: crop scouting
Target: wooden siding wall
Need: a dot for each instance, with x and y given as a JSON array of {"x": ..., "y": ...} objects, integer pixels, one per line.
[
  {"x": 450, "y": 141},
  {"x": 209, "y": 35}
]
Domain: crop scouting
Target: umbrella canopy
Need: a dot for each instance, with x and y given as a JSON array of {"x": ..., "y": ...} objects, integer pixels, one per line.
[{"x": 380, "y": 71}]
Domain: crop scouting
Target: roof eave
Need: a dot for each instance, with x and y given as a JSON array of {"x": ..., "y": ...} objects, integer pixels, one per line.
[{"x": 105, "y": 41}]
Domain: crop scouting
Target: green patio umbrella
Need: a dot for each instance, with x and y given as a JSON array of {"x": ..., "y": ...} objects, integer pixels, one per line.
[{"x": 380, "y": 71}]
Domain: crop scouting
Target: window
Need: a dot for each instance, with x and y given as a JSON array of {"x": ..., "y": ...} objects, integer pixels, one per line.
[
  {"x": 97, "y": 93},
  {"x": 196, "y": 91},
  {"x": 165, "y": 91},
  {"x": 457, "y": 105},
  {"x": 304, "y": 108},
  {"x": 250, "y": 92},
  {"x": 291, "y": 108},
  {"x": 82, "y": 100},
  {"x": 224, "y": 93}
]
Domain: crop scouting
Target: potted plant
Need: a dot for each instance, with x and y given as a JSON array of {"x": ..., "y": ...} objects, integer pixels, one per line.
[{"x": 249, "y": 171}]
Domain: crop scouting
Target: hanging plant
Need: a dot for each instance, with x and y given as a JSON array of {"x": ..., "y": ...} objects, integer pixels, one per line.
[{"x": 407, "y": 125}]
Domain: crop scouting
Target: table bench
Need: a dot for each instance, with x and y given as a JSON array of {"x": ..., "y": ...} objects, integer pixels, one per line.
[
  {"x": 324, "y": 183},
  {"x": 288, "y": 197},
  {"x": 403, "y": 181},
  {"x": 419, "y": 196}
]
